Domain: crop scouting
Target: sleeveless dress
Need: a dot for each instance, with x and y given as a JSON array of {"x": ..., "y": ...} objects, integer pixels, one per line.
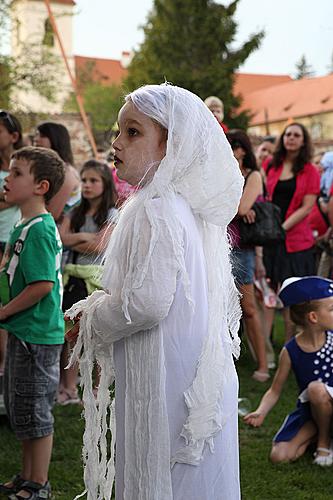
[{"x": 307, "y": 367}]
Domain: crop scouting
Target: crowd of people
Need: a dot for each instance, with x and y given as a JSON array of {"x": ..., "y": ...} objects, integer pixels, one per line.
[{"x": 146, "y": 254}]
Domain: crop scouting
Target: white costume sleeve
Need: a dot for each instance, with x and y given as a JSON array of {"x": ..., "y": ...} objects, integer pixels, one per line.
[{"x": 149, "y": 280}]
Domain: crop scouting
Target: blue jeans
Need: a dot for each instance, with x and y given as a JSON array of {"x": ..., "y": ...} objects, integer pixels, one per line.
[{"x": 243, "y": 265}]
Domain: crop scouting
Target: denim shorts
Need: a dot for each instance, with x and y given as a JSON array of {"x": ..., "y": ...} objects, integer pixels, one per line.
[
  {"x": 31, "y": 381},
  {"x": 243, "y": 265}
]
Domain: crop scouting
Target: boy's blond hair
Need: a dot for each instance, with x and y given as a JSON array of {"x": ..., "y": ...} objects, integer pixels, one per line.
[{"x": 212, "y": 100}]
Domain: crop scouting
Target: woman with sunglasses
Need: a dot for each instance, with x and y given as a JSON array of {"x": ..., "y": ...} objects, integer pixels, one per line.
[
  {"x": 292, "y": 184},
  {"x": 10, "y": 139}
]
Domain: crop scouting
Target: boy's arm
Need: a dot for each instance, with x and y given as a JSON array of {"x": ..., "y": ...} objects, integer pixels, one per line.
[
  {"x": 32, "y": 294},
  {"x": 271, "y": 397}
]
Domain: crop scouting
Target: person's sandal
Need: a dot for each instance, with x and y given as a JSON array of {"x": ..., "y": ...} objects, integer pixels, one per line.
[
  {"x": 37, "y": 491},
  {"x": 323, "y": 460},
  {"x": 260, "y": 376},
  {"x": 68, "y": 398},
  {"x": 16, "y": 483}
]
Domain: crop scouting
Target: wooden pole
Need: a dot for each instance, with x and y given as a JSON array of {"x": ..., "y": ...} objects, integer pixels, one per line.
[{"x": 79, "y": 99}]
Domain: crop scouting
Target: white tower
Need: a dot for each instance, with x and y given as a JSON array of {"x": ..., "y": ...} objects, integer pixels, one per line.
[{"x": 31, "y": 25}]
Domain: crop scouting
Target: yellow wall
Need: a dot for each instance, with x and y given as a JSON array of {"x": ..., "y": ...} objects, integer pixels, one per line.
[{"x": 320, "y": 126}]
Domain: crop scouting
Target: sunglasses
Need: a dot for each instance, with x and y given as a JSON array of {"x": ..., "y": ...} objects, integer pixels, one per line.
[
  {"x": 4, "y": 115},
  {"x": 293, "y": 134}
]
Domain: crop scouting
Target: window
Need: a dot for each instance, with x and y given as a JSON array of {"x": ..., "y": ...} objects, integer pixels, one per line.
[{"x": 48, "y": 38}]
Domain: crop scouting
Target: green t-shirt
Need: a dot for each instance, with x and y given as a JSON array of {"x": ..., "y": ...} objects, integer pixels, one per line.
[{"x": 35, "y": 255}]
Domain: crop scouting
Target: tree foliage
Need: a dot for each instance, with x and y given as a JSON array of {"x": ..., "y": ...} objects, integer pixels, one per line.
[
  {"x": 34, "y": 69},
  {"x": 191, "y": 43},
  {"x": 303, "y": 69}
]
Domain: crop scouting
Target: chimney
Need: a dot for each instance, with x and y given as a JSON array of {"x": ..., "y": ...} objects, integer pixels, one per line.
[{"x": 126, "y": 58}]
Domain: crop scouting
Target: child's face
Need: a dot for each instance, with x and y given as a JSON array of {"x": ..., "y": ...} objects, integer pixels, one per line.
[
  {"x": 92, "y": 184},
  {"x": 217, "y": 112},
  {"x": 20, "y": 185},
  {"x": 139, "y": 147},
  {"x": 264, "y": 150},
  {"x": 324, "y": 313}
]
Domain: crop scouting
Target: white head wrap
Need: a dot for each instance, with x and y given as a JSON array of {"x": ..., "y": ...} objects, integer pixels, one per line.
[{"x": 198, "y": 165}]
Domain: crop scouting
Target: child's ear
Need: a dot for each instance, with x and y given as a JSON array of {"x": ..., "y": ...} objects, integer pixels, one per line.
[
  {"x": 312, "y": 317},
  {"x": 42, "y": 187}
]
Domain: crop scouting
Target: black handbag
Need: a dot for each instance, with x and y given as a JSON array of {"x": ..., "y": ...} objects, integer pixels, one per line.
[
  {"x": 266, "y": 230},
  {"x": 74, "y": 290}
]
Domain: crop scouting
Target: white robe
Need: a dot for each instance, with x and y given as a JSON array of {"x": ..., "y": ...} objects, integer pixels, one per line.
[{"x": 170, "y": 331}]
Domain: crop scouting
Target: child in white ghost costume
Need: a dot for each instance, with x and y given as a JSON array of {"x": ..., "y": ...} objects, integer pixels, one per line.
[{"x": 165, "y": 326}]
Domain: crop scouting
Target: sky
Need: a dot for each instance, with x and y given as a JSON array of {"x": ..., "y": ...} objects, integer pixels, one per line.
[{"x": 104, "y": 28}]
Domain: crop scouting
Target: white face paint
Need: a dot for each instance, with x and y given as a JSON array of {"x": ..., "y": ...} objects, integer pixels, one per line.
[{"x": 139, "y": 147}]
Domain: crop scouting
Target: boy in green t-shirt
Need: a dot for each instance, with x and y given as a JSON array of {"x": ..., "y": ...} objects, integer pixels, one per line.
[{"x": 30, "y": 289}]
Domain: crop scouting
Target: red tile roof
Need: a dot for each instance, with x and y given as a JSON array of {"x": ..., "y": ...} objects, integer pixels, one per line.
[
  {"x": 245, "y": 83},
  {"x": 107, "y": 71},
  {"x": 66, "y": 2},
  {"x": 297, "y": 98}
]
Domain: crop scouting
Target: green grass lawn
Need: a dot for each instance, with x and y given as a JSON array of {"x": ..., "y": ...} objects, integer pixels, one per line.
[{"x": 260, "y": 480}]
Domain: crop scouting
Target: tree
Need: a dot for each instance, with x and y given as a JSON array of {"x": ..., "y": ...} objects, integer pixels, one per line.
[
  {"x": 191, "y": 44},
  {"x": 303, "y": 69},
  {"x": 35, "y": 68},
  {"x": 101, "y": 101}
]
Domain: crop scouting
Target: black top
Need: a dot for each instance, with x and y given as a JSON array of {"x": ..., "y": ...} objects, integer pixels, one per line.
[{"x": 283, "y": 193}]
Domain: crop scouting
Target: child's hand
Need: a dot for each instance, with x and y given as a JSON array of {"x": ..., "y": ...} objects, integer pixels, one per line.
[
  {"x": 254, "y": 419},
  {"x": 250, "y": 217},
  {"x": 72, "y": 334}
]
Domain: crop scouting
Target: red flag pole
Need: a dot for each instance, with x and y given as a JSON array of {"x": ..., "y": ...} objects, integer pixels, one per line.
[{"x": 79, "y": 99}]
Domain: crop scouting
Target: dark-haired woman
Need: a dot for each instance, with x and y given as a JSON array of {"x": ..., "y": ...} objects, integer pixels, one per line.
[
  {"x": 10, "y": 139},
  {"x": 293, "y": 184},
  {"x": 55, "y": 136},
  {"x": 86, "y": 230},
  {"x": 247, "y": 261}
]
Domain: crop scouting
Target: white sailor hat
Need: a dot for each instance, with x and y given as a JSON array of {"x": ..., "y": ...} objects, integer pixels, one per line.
[{"x": 299, "y": 290}]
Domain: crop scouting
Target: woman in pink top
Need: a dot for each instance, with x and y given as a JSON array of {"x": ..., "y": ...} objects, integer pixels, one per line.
[{"x": 292, "y": 184}]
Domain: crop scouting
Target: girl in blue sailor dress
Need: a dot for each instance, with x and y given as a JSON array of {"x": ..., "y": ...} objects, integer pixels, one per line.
[{"x": 310, "y": 355}]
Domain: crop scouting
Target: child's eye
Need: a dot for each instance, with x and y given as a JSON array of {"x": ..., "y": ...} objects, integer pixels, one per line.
[{"x": 132, "y": 131}]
